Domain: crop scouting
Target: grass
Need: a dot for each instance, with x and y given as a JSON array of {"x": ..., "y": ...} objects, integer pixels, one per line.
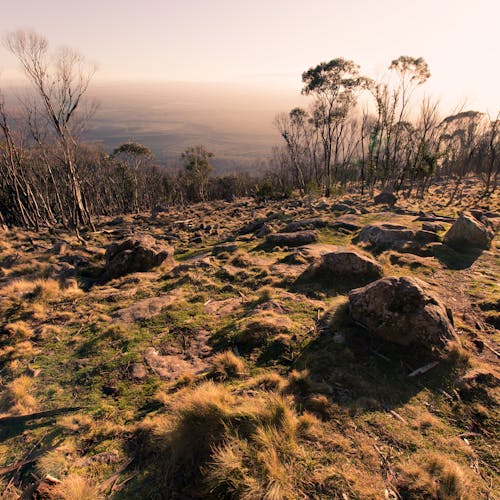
[{"x": 310, "y": 406}]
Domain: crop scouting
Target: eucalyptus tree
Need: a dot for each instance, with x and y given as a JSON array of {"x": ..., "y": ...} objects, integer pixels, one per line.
[
  {"x": 334, "y": 85},
  {"x": 60, "y": 81},
  {"x": 197, "y": 169},
  {"x": 134, "y": 156}
]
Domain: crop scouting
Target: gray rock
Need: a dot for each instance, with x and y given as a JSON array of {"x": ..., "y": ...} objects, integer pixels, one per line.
[
  {"x": 435, "y": 227},
  {"x": 296, "y": 239},
  {"x": 348, "y": 263},
  {"x": 138, "y": 371},
  {"x": 385, "y": 235},
  {"x": 423, "y": 236},
  {"x": 404, "y": 311},
  {"x": 137, "y": 254},
  {"x": 469, "y": 232},
  {"x": 385, "y": 198},
  {"x": 316, "y": 222}
]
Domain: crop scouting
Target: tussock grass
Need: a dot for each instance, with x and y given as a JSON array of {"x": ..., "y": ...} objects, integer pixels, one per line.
[
  {"x": 75, "y": 487},
  {"x": 227, "y": 365},
  {"x": 433, "y": 476},
  {"x": 17, "y": 397},
  {"x": 231, "y": 445}
]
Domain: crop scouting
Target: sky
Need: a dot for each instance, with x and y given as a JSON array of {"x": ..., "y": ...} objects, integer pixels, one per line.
[{"x": 268, "y": 43}]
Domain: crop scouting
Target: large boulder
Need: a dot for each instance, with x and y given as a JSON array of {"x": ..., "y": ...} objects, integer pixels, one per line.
[
  {"x": 467, "y": 231},
  {"x": 385, "y": 198},
  {"x": 402, "y": 310},
  {"x": 137, "y": 254},
  {"x": 349, "y": 264},
  {"x": 296, "y": 239},
  {"x": 385, "y": 236}
]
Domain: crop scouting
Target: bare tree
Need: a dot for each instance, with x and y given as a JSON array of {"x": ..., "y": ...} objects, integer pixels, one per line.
[{"x": 60, "y": 82}]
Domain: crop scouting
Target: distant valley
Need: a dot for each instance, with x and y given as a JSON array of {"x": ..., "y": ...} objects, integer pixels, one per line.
[{"x": 233, "y": 122}]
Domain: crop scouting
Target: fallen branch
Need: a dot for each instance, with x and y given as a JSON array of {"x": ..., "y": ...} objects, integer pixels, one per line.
[
  {"x": 19, "y": 419},
  {"x": 423, "y": 369}
]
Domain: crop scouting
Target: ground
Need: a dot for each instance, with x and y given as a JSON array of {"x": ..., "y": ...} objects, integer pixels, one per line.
[{"x": 232, "y": 373}]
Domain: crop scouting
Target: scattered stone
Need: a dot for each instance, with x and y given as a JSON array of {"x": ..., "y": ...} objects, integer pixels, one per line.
[
  {"x": 469, "y": 232},
  {"x": 402, "y": 310},
  {"x": 344, "y": 207},
  {"x": 172, "y": 366},
  {"x": 254, "y": 226},
  {"x": 145, "y": 308},
  {"x": 423, "y": 236},
  {"x": 316, "y": 222},
  {"x": 296, "y": 239},
  {"x": 385, "y": 235},
  {"x": 385, "y": 198},
  {"x": 224, "y": 247},
  {"x": 264, "y": 230},
  {"x": 137, "y": 254},
  {"x": 138, "y": 371},
  {"x": 348, "y": 263},
  {"x": 435, "y": 227}
]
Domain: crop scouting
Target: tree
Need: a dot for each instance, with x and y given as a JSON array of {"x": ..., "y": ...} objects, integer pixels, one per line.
[
  {"x": 60, "y": 83},
  {"x": 197, "y": 169},
  {"x": 334, "y": 86},
  {"x": 135, "y": 156}
]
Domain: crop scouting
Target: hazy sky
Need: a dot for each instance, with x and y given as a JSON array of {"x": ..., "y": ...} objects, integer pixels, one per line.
[{"x": 271, "y": 42}]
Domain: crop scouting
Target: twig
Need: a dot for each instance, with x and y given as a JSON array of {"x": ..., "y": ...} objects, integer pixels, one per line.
[
  {"x": 398, "y": 416},
  {"x": 423, "y": 369}
]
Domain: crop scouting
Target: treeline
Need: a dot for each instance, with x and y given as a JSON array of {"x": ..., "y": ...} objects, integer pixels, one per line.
[
  {"x": 364, "y": 133},
  {"x": 358, "y": 133}
]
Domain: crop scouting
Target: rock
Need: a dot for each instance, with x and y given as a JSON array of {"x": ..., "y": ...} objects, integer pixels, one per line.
[
  {"x": 137, "y": 254},
  {"x": 138, "y": 371},
  {"x": 347, "y": 263},
  {"x": 423, "y": 236},
  {"x": 256, "y": 225},
  {"x": 224, "y": 247},
  {"x": 344, "y": 207},
  {"x": 435, "y": 227},
  {"x": 467, "y": 231},
  {"x": 385, "y": 235},
  {"x": 264, "y": 230},
  {"x": 402, "y": 310},
  {"x": 145, "y": 308},
  {"x": 292, "y": 239},
  {"x": 316, "y": 222},
  {"x": 385, "y": 198},
  {"x": 345, "y": 226}
]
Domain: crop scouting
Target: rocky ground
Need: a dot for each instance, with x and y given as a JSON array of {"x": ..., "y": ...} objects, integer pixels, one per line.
[{"x": 306, "y": 348}]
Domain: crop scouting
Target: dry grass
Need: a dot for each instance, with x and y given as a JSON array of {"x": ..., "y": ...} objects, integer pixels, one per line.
[
  {"x": 433, "y": 476},
  {"x": 18, "y": 329},
  {"x": 40, "y": 290},
  {"x": 227, "y": 365},
  {"x": 17, "y": 398},
  {"x": 232, "y": 446},
  {"x": 74, "y": 487}
]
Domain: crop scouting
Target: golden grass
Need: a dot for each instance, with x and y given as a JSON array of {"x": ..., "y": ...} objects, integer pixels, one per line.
[
  {"x": 74, "y": 487},
  {"x": 227, "y": 365},
  {"x": 17, "y": 398},
  {"x": 433, "y": 476}
]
